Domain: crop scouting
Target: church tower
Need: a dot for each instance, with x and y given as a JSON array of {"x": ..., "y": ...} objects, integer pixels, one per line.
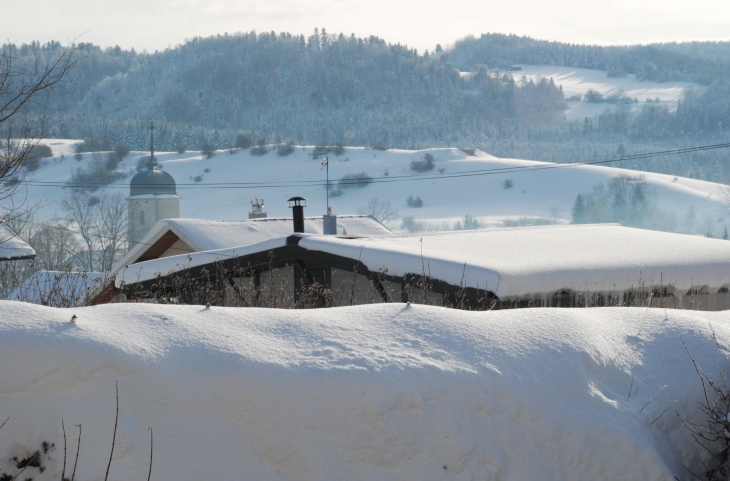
[{"x": 152, "y": 197}]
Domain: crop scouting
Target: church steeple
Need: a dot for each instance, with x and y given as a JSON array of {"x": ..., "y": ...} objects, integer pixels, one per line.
[{"x": 152, "y": 197}]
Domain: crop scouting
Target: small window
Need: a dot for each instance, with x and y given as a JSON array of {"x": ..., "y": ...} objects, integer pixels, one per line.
[{"x": 141, "y": 217}]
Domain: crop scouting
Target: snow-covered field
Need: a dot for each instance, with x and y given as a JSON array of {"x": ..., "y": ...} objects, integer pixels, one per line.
[
  {"x": 578, "y": 81},
  {"x": 535, "y": 193},
  {"x": 372, "y": 392}
]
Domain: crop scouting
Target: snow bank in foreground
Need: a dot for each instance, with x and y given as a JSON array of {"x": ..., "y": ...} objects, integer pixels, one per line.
[{"x": 372, "y": 392}]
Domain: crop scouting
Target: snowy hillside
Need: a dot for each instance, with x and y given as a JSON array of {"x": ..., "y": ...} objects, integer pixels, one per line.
[
  {"x": 537, "y": 193},
  {"x": 578, "y": 81},
  {"x": 374, "y": 392}
]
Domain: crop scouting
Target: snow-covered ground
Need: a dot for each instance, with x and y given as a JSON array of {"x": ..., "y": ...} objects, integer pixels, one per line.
[
  {"x": 578, "y": 81},
  {"x": 385, "y": 392},
  {"x": 535, "y": 193}
]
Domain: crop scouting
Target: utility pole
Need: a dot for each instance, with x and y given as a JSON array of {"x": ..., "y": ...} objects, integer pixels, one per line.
[{"x": 326, "y": 164}]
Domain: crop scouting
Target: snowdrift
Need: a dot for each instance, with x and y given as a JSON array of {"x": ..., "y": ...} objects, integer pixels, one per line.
[{"x": 372, "y": 392}]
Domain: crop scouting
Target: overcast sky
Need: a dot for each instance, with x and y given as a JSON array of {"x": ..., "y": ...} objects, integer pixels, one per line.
[{"x": 157, "y": 24}]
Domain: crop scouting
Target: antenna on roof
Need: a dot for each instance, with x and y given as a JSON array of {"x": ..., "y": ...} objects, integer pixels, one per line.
[
  {"x": 257, "y": 209},
  {"x": 325, "y": 163}
]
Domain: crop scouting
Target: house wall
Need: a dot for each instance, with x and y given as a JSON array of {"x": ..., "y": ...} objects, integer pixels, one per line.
[
  {"x": 347, "y": 286},
  {"x": 421, "y": 296},
  {"x": 144, "y": 210},
  {"x": 277, "y": 286},
  {"x": 179, "y": 247},
  {"x": 702, "y": 299},
  {"x": 242, "y": 293}
]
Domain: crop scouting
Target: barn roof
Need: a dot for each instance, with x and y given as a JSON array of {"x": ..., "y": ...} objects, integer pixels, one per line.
[
  {"x": 511, "y": 262},
  {"x": 206, "y": 235}
]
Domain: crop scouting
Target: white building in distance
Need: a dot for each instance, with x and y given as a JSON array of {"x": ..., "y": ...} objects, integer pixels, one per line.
[{"x": 152, "y": 197}]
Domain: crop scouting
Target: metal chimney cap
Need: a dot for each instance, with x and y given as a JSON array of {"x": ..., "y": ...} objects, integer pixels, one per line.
[{"x": 297, "y": 201}]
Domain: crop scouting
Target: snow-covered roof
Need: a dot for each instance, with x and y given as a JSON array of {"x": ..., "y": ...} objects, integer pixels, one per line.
[
  {"x": 211, "y": 234},
  {"x": 520, "y": 261},
  {"x": 57, "y": 288},
  {"x": 206, "y": 235},
  {"x": 13, "y": 247},
  {"x": 513, "y": 262},
  {"x": 144, "y": 271}
]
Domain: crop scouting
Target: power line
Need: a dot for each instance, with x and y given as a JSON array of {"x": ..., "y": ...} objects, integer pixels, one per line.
[
  {"x": 395, "y": 178},
  {"x": 402, "y": 178}
]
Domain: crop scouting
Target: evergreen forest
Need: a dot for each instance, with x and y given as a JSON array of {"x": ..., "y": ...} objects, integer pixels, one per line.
[{"x": 328, "y": 89}]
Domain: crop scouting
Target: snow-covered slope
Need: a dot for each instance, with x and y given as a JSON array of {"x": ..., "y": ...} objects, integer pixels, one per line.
[
  {"x": 385, "y": 392},
  {"x": 540, "y": 193},
  {"x": 578, "y": 81}
]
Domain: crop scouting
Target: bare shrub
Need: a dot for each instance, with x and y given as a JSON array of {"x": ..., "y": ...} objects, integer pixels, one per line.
[
  {"x": 526, "y": 221},
  {"x": 260, "y": 148},
  {"x": 121, "y": 151},
  {"x": 101, "y": 222},
  {"x": 285, "y": 149},
  {"x": 381, "y": 210},
  {"x": 358, "y": 180},
  {"x": 38, "y": 152},
  {"x": 146, "y": 162},
  {"x": 424, "y": 165},
  {"x": 314, "y": 296},
  {"x": 469, "y": 222},
  {"x": 712, "y": 432},
  {"x": 594, "y": 97},
  {"x": 93, "y": 144},
  {"x": 54, "y": 245},
  {"x": 95, "y": 176},
  {"x": 243, "y": 141},
  {"x": 66, "y": 288},
  {"x": 411, "y": 224},
  {"x": 112, "y": 161},
  {"x": 616, "y": 73},
  {"x": 207, "y": 149},
  {"x": 415, "y": 202}
]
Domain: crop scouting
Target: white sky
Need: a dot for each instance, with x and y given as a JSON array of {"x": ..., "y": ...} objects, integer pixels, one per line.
[{"x": 157, "y": 24}]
